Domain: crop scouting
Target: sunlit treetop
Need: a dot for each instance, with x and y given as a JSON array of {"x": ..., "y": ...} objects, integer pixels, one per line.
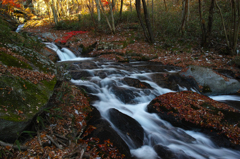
[{"x": 11, "y": 3}]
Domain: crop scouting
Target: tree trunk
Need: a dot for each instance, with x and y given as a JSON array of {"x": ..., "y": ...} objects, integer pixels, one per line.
[
  {"x": 54, "y": 12},
  {"x": 131, "y": 5},
  {"x": 152, "y": 14},
  {"x": 184, "y": 14},
  {"x": 138, "y": 6},
  {"x": 121, "y": 9},
  {"x": 165, "y": 4},
  {"x": 103, "y": 12},
  {"x": 98, "y": 10},
  {"x": 210, "y": 19},
  {"x": 202, "y": 23},
  {"x": 148, "y": 22},
  {"x": 111, "y": 11}
]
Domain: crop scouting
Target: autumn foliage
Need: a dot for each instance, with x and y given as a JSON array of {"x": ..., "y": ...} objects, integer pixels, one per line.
[
  {"x": 68, "y": 35},
  {"x": 10, "y": 3},
  {"x": 200, "y": 110}
]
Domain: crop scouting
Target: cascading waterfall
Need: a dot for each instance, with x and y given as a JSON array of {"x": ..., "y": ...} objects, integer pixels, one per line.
[
  {"x": 156, "y": 131},
  {"x": 64, "y": 54}
]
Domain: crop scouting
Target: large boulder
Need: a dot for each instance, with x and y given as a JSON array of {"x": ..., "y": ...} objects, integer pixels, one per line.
[
  {"x": 27, "y": 80},
  {"x": 211, "y": 82},
  {"x": 190, "y": 110},
  {"x": 128, "y": 126},
  {"x": 175, "y": 82},
  {"x": 104, "y": 131}
]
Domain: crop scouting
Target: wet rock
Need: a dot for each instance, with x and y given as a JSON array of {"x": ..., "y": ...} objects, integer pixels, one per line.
[
  {"x": 77, "y": 75},
  {"x": 212, "y": 83},
  {"x": 227, "y": 73},
  {"x": 136, "y": 83},
  {"x": 175, "y": 82},
  {"x": 52, "y": 55},
  {"x": 106, "y": 73},
  {"x": 127, "y": 126},
  {"x": 156, "y": 67},
  {"x": 124, "y": 94},
  {"x": 192, "y": 111},
  {"x": 104, "y": 131},
  {"x": 166, "y": 153}
]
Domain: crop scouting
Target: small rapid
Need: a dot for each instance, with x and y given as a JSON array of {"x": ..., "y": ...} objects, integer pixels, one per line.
[{"x": 106, "y": 81}]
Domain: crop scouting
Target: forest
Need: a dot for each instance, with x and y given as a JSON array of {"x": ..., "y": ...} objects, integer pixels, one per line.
[
  {"x": 208, "y": 24},
  {"x": 175, "y": 56}
]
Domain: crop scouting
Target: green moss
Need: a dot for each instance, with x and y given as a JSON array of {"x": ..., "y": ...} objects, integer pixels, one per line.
[
  {"x": 42, "y": 63},
  {"x": 18, "y": 94},
  {"x": 13, "y": 61}
]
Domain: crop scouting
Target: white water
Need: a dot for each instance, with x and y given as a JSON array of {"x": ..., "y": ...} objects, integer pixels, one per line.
[
  {"x": 64, "y": 54},
  {"x": 226, "y": 98},
  {"x": 19, "y": 28},
  {"x": 157, "y": 131}
]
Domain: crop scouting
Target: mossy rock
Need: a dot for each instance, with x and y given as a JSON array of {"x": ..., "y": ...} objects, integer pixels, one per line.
[
  {"x": 26, "y": 85},
  {"x": 20, "y": 100}
]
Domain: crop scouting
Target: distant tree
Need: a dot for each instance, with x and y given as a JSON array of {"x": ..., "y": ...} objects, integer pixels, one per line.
[{"x": 232, "y": 33}]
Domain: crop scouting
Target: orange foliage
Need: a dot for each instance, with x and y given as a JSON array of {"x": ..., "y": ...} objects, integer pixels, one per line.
[{"x": 11, "y": 3}]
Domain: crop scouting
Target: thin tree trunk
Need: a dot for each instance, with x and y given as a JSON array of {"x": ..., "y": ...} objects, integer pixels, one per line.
[
  {"x": 138, "y": 6},
  {"x": 165, "y": 4},
  {"x": 54, "y": 12},
  {"x": 111, "y": 11},
  {"x": 91, "y": 13},
  {"x": 148, "y": 22},
  {"x": 184, "y": 13},
  {"x": 202, "y": 23},
  {"x": 98, "y": 10},
  {"x": 224, "y": 28},
  {"x": 152, "y": 15},
  {"x": 210, "y": 19},
  {"x": 113, "y": 5},
  {"x": 103, "y": 12},
  {"x": 131, "y": 5},
  {"x": 121, "y": 9}
]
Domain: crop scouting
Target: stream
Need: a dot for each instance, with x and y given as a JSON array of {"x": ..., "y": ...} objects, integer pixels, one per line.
[{"x": 107, "y": 81}]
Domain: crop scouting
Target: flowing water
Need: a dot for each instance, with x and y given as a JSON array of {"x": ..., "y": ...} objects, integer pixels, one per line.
[{"x": 103, "y": 79}]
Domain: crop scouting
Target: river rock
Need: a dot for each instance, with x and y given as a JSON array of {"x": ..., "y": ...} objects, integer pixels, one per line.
[
  {"x": 27, "y": 81},
  {"x": 192, "y": 111},
  {"x": 211, "y": 82},
  {"x": 52, "y": 55},
  {"x": 166, "y": 153},
  {"x": 128, "y": 126},
  {"x": 136, "y": 83},
  {"x": 126, "y": 95},
  {"x": 175, "y": 82},
  {"x": 104, "y": 131},
  {"x": 235, "y": 61}
]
